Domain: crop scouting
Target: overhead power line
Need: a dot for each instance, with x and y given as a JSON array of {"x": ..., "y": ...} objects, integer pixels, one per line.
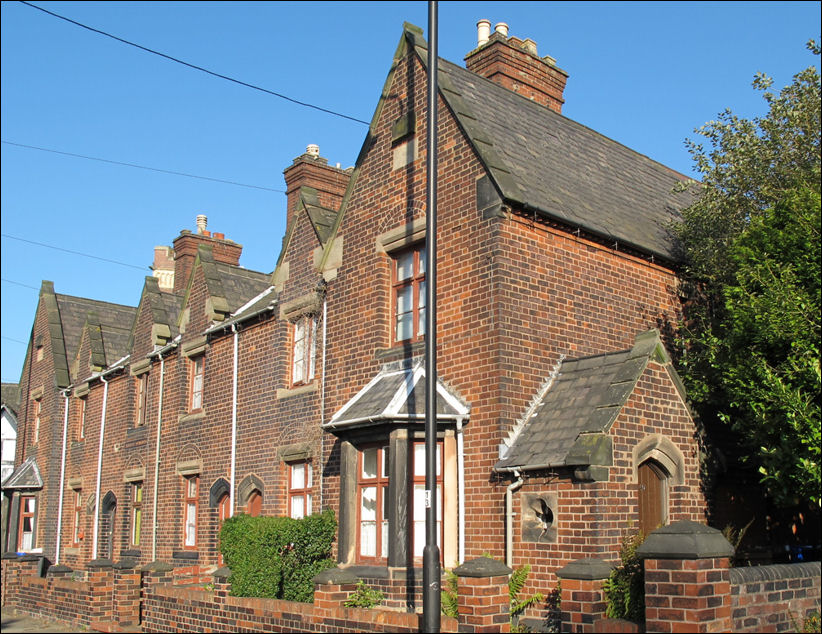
[
  {"x": 25, "y": 343},
  {"x": 142, "y": 167},
  {"x": 34, "y": 288},
  {"x": 195, "y": 67},
  {"x": 85, "y": 255}
]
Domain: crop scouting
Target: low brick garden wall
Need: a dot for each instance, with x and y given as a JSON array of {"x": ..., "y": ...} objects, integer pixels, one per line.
[{"x": 774, "y": 598}]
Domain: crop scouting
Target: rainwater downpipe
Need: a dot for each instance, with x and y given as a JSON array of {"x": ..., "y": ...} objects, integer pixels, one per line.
[
  {"x": 62, "y": 475},
  {"x": 509, "y": 518},
  {"x": 322, "y": 407},
  {"x": 99, "y": 466},
  {"x": 460, "y": 492},
  {"x": 157, "y": 459},
  {"x": 234, "y": 418}
]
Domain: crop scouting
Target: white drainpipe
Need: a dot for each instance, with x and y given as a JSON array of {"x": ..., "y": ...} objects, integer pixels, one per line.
[
  {"x": 99, "y": 467},
  {"x": 460, "y": 492},
  {"x": 157, "y": 459},
  {"x": 234, "y": 419},
  {"x": 62, "y": 476},
  {"x": 509, "y": 519},
  {"x": 322, "y": 410}
]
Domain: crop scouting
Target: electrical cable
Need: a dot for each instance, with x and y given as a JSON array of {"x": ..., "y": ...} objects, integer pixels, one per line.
[
  {"x": 142, "y": 167},
  {"x": 85, "y": 255},
  {"x": 34, "y": 288},
  {"x": 195, "y": 67}
]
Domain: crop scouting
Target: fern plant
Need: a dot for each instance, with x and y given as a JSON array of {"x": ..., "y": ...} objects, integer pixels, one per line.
[
  {"x": 625, "y": 588},
  {"x": 518, "y": 605},
  {"x": 449, "y": 597}
]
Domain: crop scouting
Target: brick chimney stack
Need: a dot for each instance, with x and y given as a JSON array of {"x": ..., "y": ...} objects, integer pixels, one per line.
[
  {"x": 185, "y": 251},
  {"x": 515, "y": 64},
  {"x": 312, "y": 170}
]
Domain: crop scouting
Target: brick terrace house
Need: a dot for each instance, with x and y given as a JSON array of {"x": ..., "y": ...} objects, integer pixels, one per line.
[{"x": 561, "y": 421}]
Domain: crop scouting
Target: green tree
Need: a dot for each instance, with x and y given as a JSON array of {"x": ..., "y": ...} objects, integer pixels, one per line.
[{"x": 751, "y": 243}]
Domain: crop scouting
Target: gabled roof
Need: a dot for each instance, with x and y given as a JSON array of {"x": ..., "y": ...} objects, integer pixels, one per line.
[
  {"x": 396, "y": 394},
  {"x": 547, "y": 163},
  {"x": 165, "y": 309},
  {"x": 582, "y": 397},
  {"x": 67, "y": 317},
  {"x": 25, "y": 476},
  {"x": 542, "y": 162}
]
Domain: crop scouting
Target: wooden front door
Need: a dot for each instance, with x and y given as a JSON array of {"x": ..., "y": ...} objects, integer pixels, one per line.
[{"x": 653, "y": 497}]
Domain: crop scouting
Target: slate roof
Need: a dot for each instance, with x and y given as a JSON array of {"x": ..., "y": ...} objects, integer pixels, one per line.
[
  {"x": 25, "y": 476},
  {"x": 240, "y": 285},
  {"x": 545, "y": 162},
  {"x": 11, "y": 396},
  {"x": 395, "y": 394},
  {"x": 114, "y": 319},
  {"x": 584, "y": 396}
]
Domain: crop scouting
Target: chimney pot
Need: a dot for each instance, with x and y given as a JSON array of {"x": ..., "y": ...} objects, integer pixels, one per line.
[
  {"x": 202, "y": 223},
  {"x": 483, "y": 31},
  {"x": 219, "y": 236},
  {"x": 313, "y": 150},
  {"x": 502, "y": 28}
]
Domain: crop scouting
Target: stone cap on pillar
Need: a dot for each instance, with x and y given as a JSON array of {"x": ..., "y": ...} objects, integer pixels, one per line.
[
  {"x": 589, "y": 568},
  {"x": 224, "y": 572},
  {"x": 685, "y": 540},
  {"x": 101, "y": 562},
  {"x": 482, "y": 567},
  {"x": 335, "y": 576},
  {"x": 157, "y": 566}
]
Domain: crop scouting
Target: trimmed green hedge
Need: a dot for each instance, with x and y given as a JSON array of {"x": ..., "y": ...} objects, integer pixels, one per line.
[{"x": 277, "y": 557}]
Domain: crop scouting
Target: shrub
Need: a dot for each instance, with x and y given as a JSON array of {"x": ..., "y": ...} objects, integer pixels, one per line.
[
  {"x": 625, "y": 588},
  {"x": 277, "y": 557},
  {"x": 363, "y": 597}
]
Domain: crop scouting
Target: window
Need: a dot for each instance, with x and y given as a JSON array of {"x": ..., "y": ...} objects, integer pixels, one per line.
[
  {"x": 191, "y": 486},
  {"x": 81, "y": 421},
  {"x": 137, "y": 512},
  {"x": 300, "y": 482},
  {"x": 305, "y": 347},
  {"x": 372, "y": 512},
  {"x": 141, "y": 385},
  {"x": 409, "y": 294},
  {"x": 77, "y": 532},
  {"x": 197, "y": 366},
  {"x": 25, "y": 538},
  {"x": 254, "y": 506},
  {"x": 37, "y": 406},
  {"x": 418, "y": 537}
]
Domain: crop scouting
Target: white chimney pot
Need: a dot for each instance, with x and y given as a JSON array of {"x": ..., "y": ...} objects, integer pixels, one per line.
[
  {"x": 483, "y": 31},
  {"x": 313, "y": 150},
  {"x": 202, "y": 223},
  {"x": 502, "y": 27}
]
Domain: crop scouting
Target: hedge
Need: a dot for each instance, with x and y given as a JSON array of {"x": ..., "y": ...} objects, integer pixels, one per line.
[{"x": 277, "y": 557}]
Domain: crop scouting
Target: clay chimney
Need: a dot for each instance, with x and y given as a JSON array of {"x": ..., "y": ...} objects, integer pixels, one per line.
[
  {"x": 185, "y": 251},
  {"x": 515, "y": 64},
  {"x": 312, "y": 170}
]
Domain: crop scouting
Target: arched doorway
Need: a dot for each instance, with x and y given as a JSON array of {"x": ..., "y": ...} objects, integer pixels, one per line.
[
  {"x": 223, "y": 513},
  {"x": 653, "y": 496}
]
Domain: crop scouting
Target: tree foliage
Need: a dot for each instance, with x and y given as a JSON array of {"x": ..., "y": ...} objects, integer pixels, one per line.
[{"x": 750, "y": 339}]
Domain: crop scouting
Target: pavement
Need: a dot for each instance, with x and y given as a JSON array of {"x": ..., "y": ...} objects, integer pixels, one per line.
[{"x": 13, "y": 621}]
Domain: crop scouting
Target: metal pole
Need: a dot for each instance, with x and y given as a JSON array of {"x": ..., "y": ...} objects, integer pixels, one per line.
[{"x": 431, "y": 554}]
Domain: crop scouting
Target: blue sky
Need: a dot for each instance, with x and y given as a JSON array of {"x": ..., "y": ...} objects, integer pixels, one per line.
[{"x": 643, "y": 73}]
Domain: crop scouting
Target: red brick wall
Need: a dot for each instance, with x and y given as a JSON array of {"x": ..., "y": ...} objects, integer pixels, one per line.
[{"x": 774, "y": 598}]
